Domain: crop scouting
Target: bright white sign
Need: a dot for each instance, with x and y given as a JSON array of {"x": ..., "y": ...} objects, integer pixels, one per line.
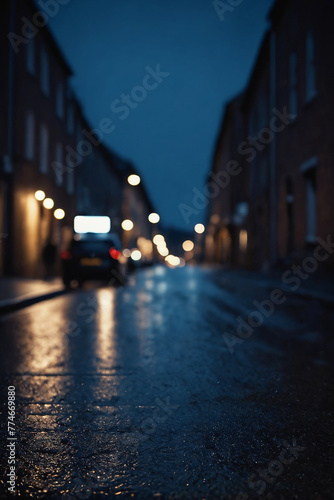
[{"x": 92, "y": 224}]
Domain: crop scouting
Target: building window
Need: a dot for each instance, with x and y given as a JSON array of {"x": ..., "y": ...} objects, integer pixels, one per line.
[
  {"x": 253, "y": 129},
  {"x": 309, "y": 169},
  {"x": 311, "y": 206},
  {"x": 243, "y": 240},
  {"x": 59, "y": 164},
  {"x": 310, "y": 90},
  {"x": 293, "y": 84},
  {"x": 290, "y": 214},
  {"x": 70, "y": 119},
  {"x": 44, "y": 148},
  {"x": 263, "y": 108},
  {"x": 30, "y": 56},
  {"x": 60, "y": 101},
  {"x": 45, "y": 74},
  {"x": 79, "y": 136},
  {"x": 29, "y": 149},
  {"x": 70, "y": 181},
  {"x": 263, "y": 179}
]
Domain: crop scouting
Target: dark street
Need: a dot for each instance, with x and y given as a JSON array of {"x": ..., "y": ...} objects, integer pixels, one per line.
[
  {"x": 167, "y": 249},
  {"x": 150, "y": 401}
]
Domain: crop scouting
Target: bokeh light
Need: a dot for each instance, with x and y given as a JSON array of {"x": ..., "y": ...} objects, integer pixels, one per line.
[
  {"x": 40, "y": 195},
  {"x": 199, "y": 228},
  {"x": 154, "y": 218},
  {"x": 127, "y": 225},
  {"x": 163, "y": 251},
  {"x": 158, "y": 239},
  {"x": 59, "y": 213},
  {"x": 48, "y": 203},
  {"x": 134, "y": 180},
  {"x": 173, "y": 261},
  {"x": 135, "y": 255},
  {"x": 187, "y": 245}
]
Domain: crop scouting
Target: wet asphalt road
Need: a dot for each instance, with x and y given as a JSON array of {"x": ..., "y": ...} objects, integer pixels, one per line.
[{"x": 134, "y": 392}]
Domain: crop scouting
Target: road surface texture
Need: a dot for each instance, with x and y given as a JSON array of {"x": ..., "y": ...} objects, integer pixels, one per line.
[{"x": 147, "y": 391}]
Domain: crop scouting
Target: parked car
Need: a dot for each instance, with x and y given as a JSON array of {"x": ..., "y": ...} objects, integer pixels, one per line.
[{"x": 92, "y": 256}]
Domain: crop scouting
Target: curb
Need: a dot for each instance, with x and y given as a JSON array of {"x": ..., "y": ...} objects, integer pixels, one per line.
[
  {"x": 7, "y": 306},
  {"x": 303, "y": 292},
  {"x": 325, "y": 298}
]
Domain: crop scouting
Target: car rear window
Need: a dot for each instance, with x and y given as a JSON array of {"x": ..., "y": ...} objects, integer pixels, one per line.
[{"x": 98, "y": 247}]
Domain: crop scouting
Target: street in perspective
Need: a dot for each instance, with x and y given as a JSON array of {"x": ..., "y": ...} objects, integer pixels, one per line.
[{"x": 167, "y": 250}]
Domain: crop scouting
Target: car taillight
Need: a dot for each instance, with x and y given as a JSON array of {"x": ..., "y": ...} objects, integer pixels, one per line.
[
  {"x": 65, "y": 255},
  {"x": 114, "y": 254}
]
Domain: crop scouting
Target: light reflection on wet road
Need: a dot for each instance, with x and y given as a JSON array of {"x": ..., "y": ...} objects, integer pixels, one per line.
[{"x": 134, "y": 391}]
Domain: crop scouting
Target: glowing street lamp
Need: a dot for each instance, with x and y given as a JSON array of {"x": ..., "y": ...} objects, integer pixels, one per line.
[
  {"x": 173, "y": 261},
  {"x": 127, "y": 225},
  {"x": 163, "y": 251},
  {"x": 39, "y": 195},
  {"x": 134, "y": 180},
  {"x": 135, "y": 254},
  {"x": 48, "y": 203},
  {"x": 187, "y": 245},
  {"x": 158, "y": 239},
  {"x": 199, "y": 228},
  {"x": 126, "y": 252},
  {"x": 59, "y": 213},
  {"x": 154, "y": 218}
]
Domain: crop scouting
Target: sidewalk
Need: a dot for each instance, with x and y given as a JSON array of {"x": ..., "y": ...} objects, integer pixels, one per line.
[
  {"x": 316, "y": 286},
  {"x": 19, "y": 292}
]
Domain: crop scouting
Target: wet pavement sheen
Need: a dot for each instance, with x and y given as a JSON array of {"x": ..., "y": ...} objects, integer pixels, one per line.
[{"x": 134, "y": 393}]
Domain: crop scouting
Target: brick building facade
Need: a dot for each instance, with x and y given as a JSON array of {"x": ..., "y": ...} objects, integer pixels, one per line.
[
  {"x": 304, "y": 150},
  {"x": 46, "y": 145},
  {"x": 286, "y": 147},
  {"x": 38, "y": 125},
  {"x": 225, "y": 241}
]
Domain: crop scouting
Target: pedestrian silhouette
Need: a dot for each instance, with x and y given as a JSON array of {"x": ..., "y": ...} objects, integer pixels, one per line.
[{"x": 49, "y": 258}]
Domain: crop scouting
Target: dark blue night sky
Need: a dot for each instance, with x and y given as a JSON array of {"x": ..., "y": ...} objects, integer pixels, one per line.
[{"x": 170, "y": 134}]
